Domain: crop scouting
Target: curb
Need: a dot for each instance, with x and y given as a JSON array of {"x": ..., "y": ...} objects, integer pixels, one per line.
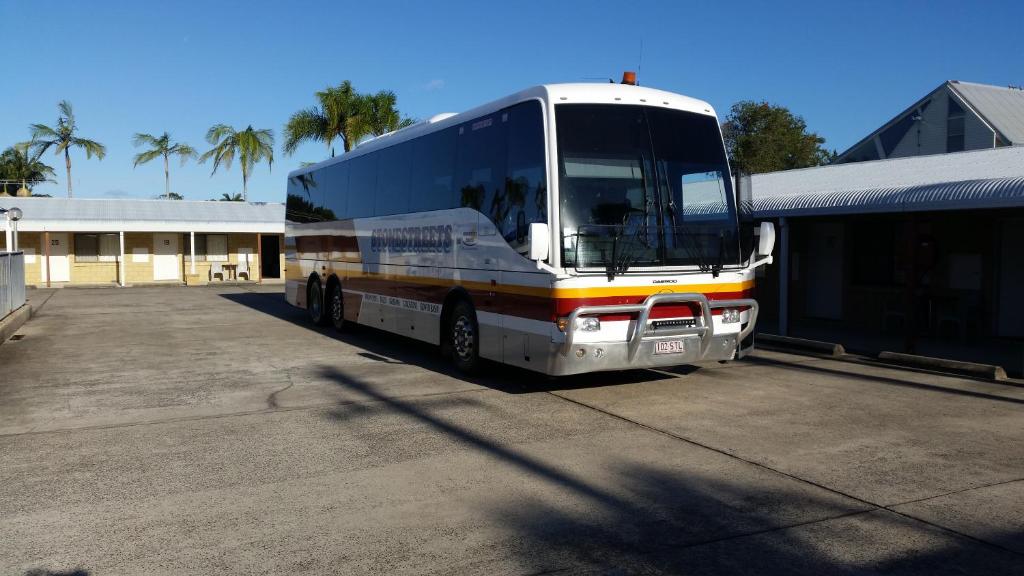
[
  {"x": 14, "y": 321},
  {"x": 788, "y": 342},
  {"x": 988, "y": 371}
]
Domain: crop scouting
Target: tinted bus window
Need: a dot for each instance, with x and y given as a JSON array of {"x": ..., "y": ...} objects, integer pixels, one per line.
[
  {"x": 393, "y": 180},
  {"x": 305, "y": 199},
  {"x": 480, "y": 172},
  {"x": 526, "y": 199},
  {"x": 433, "y": 170},
  {"x": 332, "y": 182},
  {"x": 362, "y": 184}
]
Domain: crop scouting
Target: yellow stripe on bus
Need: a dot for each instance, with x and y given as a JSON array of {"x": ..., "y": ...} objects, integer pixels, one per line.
[{"x": 547, "y": 292}]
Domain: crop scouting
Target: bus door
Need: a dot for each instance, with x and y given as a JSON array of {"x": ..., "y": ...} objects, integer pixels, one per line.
[{"x": 487, "y": 297}]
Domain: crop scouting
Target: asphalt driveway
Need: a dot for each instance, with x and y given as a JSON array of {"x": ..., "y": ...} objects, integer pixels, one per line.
[{"x": 200, "y": 430}]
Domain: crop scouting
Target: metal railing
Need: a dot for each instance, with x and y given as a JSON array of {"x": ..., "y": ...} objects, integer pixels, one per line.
[{"x": 12, "y": 282}]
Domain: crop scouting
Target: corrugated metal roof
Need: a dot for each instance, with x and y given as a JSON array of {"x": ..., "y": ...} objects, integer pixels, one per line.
[
  {"x": 977, "y": 179},
  {"x": 1001, "y": 107},
  {"x": 81, "y": 214}
]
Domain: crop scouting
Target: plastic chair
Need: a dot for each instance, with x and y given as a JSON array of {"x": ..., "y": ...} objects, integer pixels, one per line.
[{"x": 216, "y": 268}]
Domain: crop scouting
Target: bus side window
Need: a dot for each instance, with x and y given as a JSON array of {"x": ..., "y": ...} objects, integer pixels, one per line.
[
  {"x": 480, "y": 172},
  {"x": 433, "y": 168},
  {"x": 526, "y": 182},
  {"x": 362, "y": 183},
  {"x": 393, "y": 179},
  {"x": 333, "y": 186}
]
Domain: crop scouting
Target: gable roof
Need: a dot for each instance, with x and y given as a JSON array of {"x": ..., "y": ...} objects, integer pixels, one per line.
[{"x": 1000, "y": 107}]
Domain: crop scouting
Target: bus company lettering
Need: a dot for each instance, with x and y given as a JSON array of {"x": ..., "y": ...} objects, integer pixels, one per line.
[{"x": 420, "y": 239}]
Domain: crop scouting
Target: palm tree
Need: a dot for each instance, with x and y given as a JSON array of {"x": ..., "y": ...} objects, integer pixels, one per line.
[
  {"x": 17, "y": 165},
  {"x": 62, "y": 138},
  {"x": 379, "y": 115},
  {"x": 251, "y": 146},
  {"x": 161, "y": 146},
  {"x": 236, "y": 197},
  {"x": 333, "y": 118}
]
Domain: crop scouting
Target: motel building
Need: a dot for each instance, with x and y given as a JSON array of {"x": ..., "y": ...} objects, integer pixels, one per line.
[{"x": 85, "y": 241}]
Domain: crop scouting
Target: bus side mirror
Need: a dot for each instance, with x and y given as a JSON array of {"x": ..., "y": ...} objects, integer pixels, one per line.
[
  {"x": 766, "y": 239},
  {"x": 539, "y": 241}
]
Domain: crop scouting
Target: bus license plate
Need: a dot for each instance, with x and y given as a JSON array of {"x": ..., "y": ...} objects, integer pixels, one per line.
[{"x": 668, "y": 347}]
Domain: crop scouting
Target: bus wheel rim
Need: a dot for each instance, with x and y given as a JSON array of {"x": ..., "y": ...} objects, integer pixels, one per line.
[
  {"x": 463, "y": 338},
  {"x": 336, "y": 305}
]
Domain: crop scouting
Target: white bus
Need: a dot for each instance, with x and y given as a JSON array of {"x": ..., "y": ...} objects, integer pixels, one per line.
[{"x": 566, "y": 228}]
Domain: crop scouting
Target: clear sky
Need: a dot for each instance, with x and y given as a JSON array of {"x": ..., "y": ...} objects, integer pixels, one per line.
[{"x": 133, "y": 66}]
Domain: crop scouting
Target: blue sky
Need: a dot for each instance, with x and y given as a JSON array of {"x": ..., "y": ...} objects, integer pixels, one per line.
[{"x": 129, "y": 67}]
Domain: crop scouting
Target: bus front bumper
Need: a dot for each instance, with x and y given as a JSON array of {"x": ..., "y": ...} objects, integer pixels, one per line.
[{"x": 647, "y": 347}]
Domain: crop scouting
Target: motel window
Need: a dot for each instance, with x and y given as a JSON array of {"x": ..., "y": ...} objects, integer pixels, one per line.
[
  {"x": 209, "y": 248},
  {"x": 97, "y": 247}
]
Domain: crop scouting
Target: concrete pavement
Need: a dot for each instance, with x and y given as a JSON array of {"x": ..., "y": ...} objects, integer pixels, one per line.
[{"x": 170, "y": 430}]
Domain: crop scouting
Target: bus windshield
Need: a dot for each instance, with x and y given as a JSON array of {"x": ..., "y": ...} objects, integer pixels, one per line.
[{"x": 643, "y": 187}]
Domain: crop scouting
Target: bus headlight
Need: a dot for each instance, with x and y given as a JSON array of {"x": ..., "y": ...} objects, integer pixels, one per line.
[
  {"x": 588, "y": 324},
  {"x": 730, "y": 316}
]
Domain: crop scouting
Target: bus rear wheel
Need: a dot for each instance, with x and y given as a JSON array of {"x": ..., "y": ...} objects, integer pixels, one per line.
[
  {"x": 315, "y": 303},
  {"x": 464, "y": 338},
  {"x": 336, "y": 306}
]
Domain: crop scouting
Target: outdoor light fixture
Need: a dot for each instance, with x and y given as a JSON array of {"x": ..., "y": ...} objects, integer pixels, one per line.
[{"x": 12, "y": 215}]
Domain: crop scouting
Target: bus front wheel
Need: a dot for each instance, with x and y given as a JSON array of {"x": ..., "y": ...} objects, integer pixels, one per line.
[
  {"x": 464, "y": 338},
  {"x": 315, "y": 303}
]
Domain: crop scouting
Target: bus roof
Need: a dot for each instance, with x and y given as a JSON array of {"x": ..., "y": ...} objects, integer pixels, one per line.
[{"x": 590, "y": 93}]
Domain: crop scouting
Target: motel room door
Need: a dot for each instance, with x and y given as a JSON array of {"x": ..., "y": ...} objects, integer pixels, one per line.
[
  {"x": 60, "y": 267},
  {"x": 165, "y": 257}
]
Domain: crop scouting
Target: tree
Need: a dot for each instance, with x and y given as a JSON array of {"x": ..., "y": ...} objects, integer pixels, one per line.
[
  {"x": 236, "y": 197},
  {"x": 250, "y": 145},
  {"x": 16, "y": 164},
  {"x": 762, "y": 137},
  {"x": 334, "y": 118},
  {"x": 161, "y": 146},
  {"x": 172, "y": 196},
  {"x": 62, "y": 138},
  {"x": 378, "y": 115}
]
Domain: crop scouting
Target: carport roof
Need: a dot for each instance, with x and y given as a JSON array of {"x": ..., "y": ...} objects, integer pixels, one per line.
[
  {"x": 113, "y": 215},
  {"x": 965, "y": 180}
]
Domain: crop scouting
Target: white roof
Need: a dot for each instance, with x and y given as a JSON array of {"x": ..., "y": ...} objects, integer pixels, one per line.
[
  {"x": 556, "y": 93},
  {"x": 1002, "y": 107},
  {"x": 116, "y": 215},
  {"x": 991, "y": 178}
]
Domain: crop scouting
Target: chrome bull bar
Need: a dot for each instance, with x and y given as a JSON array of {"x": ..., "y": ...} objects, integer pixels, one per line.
[{"x": 706, "y": 331}]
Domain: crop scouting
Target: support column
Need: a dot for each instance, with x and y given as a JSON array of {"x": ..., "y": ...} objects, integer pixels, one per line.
[
  {"x": 192, "y": 251},
  {"x": 121, "y": 262},
  {"x": 259, "y": 256},
  {"x": 783, "y": 277},
  {"x": 46, "y": 247}
]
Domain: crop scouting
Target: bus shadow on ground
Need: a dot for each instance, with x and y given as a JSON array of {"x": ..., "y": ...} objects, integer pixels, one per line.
[
  {"x": 689, "y": 513},
  {"x": 388, "y": 348}
]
